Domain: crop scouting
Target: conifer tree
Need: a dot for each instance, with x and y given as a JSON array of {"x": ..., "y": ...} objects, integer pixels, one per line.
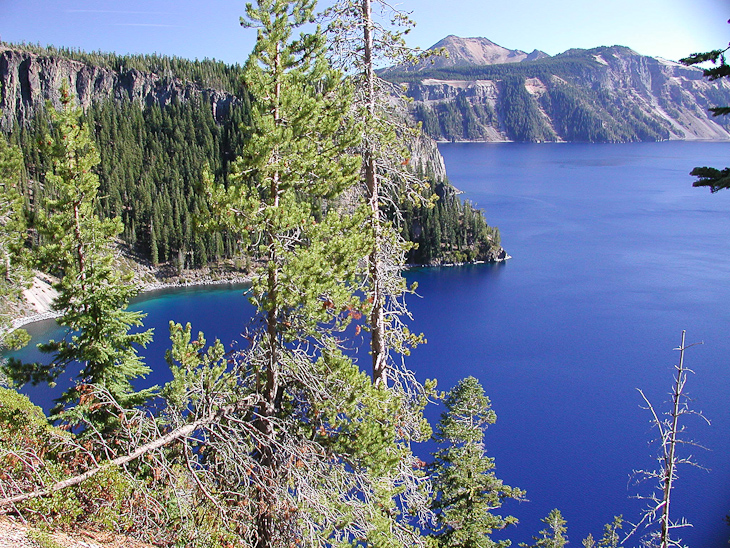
[
  {"x": 311, "y": 405},
  {"x": 656, "y": 517},
  {"x": 466, "y": 491},
  {"x": 554, "y": 535},
  {"x": 93, "y": 295},
  {"x": 716, "y": 179},
  {"x": 359, "y": 43},
  {"x": 294, "y": 166},
  {"x": 610, "y": 539}
]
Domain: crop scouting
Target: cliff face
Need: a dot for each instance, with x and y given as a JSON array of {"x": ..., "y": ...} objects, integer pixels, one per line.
[
  {"x": 425, "y": 156},
  {"x": 601, "y": 95},
  {"x": 29, "y": 79}
]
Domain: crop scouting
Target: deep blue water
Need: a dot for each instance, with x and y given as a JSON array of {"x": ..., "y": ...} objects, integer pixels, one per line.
[{"x": 614, "y": 254}]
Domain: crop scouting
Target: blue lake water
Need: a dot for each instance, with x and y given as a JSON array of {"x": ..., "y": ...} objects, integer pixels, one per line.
[{"x": 614, "y": 254}]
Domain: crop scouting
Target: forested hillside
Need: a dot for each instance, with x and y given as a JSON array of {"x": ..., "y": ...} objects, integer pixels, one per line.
[
  {"x": 607, "y": 94},
  {"x": 158, "y": 122}
]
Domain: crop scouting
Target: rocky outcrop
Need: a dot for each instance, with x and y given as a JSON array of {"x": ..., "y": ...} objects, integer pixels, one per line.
[
  {"x": 432, "y": 90},
  {"x": 608, "y": 94},
  {"x": 497, "y": 255},
  {"x": 28, "y": 79},
  {"x": 425, "y": 157}
]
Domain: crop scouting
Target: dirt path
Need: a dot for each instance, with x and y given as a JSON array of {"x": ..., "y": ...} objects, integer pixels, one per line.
[{"x": 14, "y": 534}]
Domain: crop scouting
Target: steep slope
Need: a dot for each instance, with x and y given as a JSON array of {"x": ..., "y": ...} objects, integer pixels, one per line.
[
  {"x": 607, "y": 94},
  {"x": 30, "y": 79}
]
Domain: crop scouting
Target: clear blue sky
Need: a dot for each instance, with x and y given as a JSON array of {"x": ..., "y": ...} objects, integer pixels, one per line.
[{"x": 188, "y": 28}]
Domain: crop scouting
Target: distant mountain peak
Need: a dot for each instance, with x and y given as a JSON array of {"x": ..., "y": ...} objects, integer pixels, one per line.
[{"x": 474, "y": 51}]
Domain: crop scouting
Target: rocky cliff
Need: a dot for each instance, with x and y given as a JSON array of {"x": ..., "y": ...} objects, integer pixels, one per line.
[
  {"x": 426, "y": 157},
  {"x": 28, "y": 79},
  {"x": 608, "y": 94}
]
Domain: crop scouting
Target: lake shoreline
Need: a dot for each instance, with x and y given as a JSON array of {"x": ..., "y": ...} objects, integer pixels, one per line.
[{"x": 191, "y": 278}]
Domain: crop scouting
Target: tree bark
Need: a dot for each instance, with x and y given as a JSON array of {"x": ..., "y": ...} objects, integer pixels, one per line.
[
  {"x": 267, "y": 502},
  {"x": 377, "y": 316},
  {"x": 670, "y": 460}
]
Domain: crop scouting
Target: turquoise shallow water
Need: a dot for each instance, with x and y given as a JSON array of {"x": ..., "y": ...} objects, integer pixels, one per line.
[{"x": 614, "y": 253}]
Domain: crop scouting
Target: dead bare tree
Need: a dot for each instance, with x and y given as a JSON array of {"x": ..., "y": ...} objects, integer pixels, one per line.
[
  {"x": 201, "y": 450},
  {"x": 670, "y": 438}
]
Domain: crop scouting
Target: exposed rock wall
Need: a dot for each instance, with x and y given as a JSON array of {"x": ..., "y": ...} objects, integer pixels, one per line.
[
  {"x": 29, "y": 79},
  {"x": 425, "y": 156}
]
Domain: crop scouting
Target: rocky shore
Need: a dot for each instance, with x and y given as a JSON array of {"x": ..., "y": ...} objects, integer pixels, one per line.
[{"x": 41, "y": 294}]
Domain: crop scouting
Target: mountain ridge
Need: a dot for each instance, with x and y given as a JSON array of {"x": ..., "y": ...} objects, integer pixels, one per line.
[{"x": 604, "y": 94}]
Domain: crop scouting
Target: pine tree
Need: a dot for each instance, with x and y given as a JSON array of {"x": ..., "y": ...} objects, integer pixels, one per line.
[
  {"x": 288, "y": 196},
  {"x": 656, "y": 517},
  {"x": 359, "y": 43},
  {"x": 610, "y": 539},
  {"x": 294, "y": 166},
  {"x": 716, "y": 179},
  {"x": 554, "y": 535},
  {"x": 466, "y": 491},
  {"x": 93, "y": 295}
]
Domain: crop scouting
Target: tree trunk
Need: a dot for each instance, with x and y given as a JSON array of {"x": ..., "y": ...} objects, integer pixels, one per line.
[
  {"x": 670, "y": 459},
  {"x": 80, "y": 253},
  {"x": 377, "y": 317},
  {"x": 176, "y": 434},
  {"x": 267, "y": 501}
]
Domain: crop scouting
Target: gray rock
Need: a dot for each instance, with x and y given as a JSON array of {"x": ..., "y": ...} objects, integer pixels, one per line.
[{"x": 29, "y": 79}]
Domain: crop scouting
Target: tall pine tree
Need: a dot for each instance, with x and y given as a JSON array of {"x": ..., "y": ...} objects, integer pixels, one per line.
[
  {"x": 93, "y": 294},
  {"x": 466, "y": 491},
  {"x": 294, "y": 166},
  {"x": 359, "y": 42}
]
